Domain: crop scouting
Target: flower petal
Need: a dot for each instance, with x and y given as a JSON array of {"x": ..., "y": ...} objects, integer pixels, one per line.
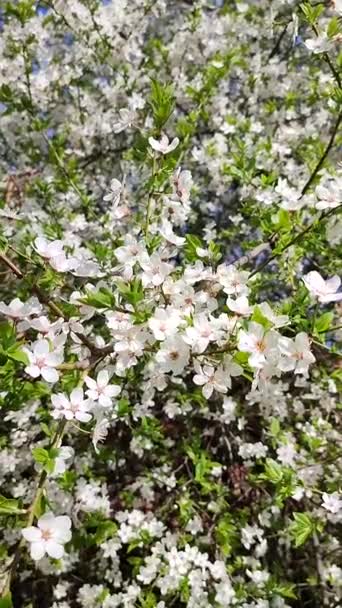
[
  {"x": 37, "y": 550},
  {"x": 31, "y": 534},
  {"x": 49, "y": 374},
  {"x": 54, "y": 549}
]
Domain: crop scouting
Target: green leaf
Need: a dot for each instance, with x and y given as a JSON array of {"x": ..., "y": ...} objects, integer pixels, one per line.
[
  {"x": 333, "y": 27},
  {"x": 258, "y": 317},
  {"x": 6, "y": 94},
  {"x": 162, "y": 102},
  {"x": 9, "y": 506},
  {"x": 275, "y": 427},
  {"x": 311, "y": 13},
  {"x": 106, "y": 529},
  {"x": 99, "y": 299},
  {"x": 46, "y": 458},
  {"x": 133, "y": 292},
  {"x": 285, "y": 590},
  {"x": 6, "y": 601},
  {"x": 273, "y": 471},
  {"x": 40, "y": 455},
  {"x": 16, "y": 354},
  {"x": 191, "y": 245},
  {"x": 301, "y": 528},
  {"x": 323, "y": 322}
]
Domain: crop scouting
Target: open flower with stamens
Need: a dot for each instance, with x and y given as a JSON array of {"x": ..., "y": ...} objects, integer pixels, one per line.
[
  {"x": 100, "y": 390},
  {"x": 49, "y": 536},
  {"x": 72, "y": 407},
  {"x": 43, "y": 362}
]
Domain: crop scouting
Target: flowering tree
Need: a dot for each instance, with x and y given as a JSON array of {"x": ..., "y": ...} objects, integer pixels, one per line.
[{"x": 169, "y": 329}]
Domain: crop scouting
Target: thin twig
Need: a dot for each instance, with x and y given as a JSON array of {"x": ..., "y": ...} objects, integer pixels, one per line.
[
  {"x": 298, "y": 236},
  {"x": 324, "y": 155}
]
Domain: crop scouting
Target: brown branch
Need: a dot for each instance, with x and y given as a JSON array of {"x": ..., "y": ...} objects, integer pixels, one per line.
[{"x": 12, "y": 266}]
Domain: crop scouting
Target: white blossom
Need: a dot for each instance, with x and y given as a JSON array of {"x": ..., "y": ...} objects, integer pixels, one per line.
[
  {"x": 49, "y": 536},
  {"x": 72, "y": 407},
  {"x": 163, "y": 145},
  {"x": 100, "y": 390},
  {"x": 43, "y": 361},
  {"x": 324, "y": 290}
]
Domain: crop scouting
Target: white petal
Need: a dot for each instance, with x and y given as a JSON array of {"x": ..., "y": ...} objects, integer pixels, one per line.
[
  {"x": 76, "y": 396},
  {"x": 63, "y": 522},
  {"x": 33, "y": 371},
  {"x": 90, "y": 382},
  {"x": 207, "y": 390},
  {"x": 41, "y": 245},
  {"x": 53, "y": 359},
  {"x": 41, "y": 347},
  {"x": 154, "y": 143},
  {"x": 105, "y": 401},
  {"x": 83, "y": 416},
  {"x": 59, "y": 401},
  {"x": 46, "y": 521},
  {"x": 199, "y": 380},
  {"x": 37, "y": 550},
  {"x": 173, "y": 145},
  {"x": 334, "y": 283},
  {"x": 49, "y": 374},
  {"x": 54, "y": 549},
  {"x": 31, "y": 534},
  {"x": 102, "y": 378},
  {"x": 113, "y": 390}
]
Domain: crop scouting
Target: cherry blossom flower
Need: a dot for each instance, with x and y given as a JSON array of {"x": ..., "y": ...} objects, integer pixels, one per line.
[
  {"x": 129, "y": 254},
  {"x": 100, "y": 390},
  {"x": 100, "y": 432},
  {"x": 53, "y": 252},
  {"x": 295, "y": 354},
  {"x": 240, "y": 306},
  {"x": 126, "y": 119},
  {"x": 48, "y": 249},
  {"x": 173, "y": 355},
  {"x": 182, "y": 183},
  {"x": 320, "y": 44},
  {"x": 231, "y": 369},
  {"x": 43, "y": 362},
  {"x": 129, "y": 347},
  {"x": 203, "y": 331},
  {"x": 163, "y": 145},
  {"x": 258, "y": 343},
  {"x": 324, "y": 290},
  {"x": 167, "y": 232},
  {"x": 155, "y": 270},
  {"x": 65, "y": 453},
  {"x": 164, "y": 322},
  {"x": 329, "y": 194},
  {"x": 44, "y": 326},
  {"x": 17, "y": 309},
  {"x": 115, "y": 192},
  {"x": 332, "y": 502},
  {"x": 292, "y": 200},
  {"x": 73, "y": 407},
  {"x": 276, "y": 320},
  {"x": 131, "y": 251},
  {"x": 210, "y": 379},
  {"x": 233, "y": 281},
  {"x": 49, "y": 536}
]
